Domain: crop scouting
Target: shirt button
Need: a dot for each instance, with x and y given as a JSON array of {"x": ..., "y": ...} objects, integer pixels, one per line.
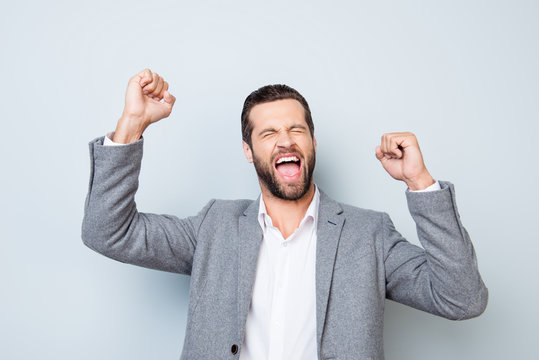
[
  {"x": 285, "y": 244},
  {"x": 234, "y": 349}
]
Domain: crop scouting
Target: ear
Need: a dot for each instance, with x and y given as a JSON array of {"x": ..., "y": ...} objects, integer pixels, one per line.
[
  {"x": 247, "y": 152},
  {"x": 314, "y": 143}
]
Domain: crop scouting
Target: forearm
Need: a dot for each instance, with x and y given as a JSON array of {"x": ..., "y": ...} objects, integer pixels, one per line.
[
  {"x": 110, "y": 204},
  {"x": 112, "y": 225},
  {"x": 443, "y": 278},
  {"x": 449, "y": 250}
]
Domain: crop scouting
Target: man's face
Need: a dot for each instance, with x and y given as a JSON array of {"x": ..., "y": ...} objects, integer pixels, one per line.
[{"x": 282, "y": 150}]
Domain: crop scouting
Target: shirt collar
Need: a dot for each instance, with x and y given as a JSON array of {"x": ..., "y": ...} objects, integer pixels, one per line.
[{"x": 312, "y": 211}]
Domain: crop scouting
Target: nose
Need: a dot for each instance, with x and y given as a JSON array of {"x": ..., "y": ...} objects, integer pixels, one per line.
[{"x": 284, "y": 140}]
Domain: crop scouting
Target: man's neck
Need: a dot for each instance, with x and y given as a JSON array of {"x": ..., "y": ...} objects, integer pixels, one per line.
[{"x": 286, "y": 215}]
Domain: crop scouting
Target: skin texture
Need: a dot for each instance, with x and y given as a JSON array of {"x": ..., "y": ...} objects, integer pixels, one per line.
[{"x": 279, "y": 127}]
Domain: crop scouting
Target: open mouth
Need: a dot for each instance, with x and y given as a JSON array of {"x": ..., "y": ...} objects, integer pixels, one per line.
[{"x": 288, "y": 166}]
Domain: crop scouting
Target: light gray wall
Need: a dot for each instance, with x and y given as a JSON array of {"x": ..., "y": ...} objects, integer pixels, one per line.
[{"x": 462, "y": 75}]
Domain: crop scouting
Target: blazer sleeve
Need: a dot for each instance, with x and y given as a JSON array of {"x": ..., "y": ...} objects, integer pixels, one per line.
[
  {"x": 443, "y": 277},
  {"x": 112, "y": 225}
]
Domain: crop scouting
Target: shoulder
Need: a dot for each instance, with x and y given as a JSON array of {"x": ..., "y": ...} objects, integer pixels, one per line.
[
  {"x": 229, "y": 208},
  {"x": 361, "y": 228},
  {"x": 349, "y": 211},
  {"x": 357, "y": 221},
  {"x": 361, "y": 216},
  {"x": 221, "y": 213}
]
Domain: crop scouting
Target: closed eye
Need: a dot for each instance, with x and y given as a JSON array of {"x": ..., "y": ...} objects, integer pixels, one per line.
[
  {"x": 267, "y": 133},
  {"x": 298, "y": 129}
]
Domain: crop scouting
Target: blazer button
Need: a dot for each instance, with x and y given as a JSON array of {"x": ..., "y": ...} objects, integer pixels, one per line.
[{"x": 234, "y": 349}]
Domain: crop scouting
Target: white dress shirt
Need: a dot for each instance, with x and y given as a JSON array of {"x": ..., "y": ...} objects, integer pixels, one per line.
[{"x": 281, "y": 323}]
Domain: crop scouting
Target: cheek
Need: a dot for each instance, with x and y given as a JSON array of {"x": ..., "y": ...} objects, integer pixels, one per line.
[
  {"x": 308, "y": 146},
  {"x": 263, "y": 150}
]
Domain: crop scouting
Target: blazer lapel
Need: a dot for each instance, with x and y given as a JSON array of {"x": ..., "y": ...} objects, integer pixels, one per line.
[
  {"x": 330, "y": 223},
  {"x": 250, "y": 237}
]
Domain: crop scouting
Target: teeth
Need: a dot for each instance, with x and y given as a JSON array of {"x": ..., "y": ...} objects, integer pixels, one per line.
[{"x": 287, "y": 158}]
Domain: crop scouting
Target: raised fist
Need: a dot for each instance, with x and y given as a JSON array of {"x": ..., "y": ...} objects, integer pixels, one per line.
[
  {"x": 147, "y": 100},
  {"x": 401, "y": 157}
]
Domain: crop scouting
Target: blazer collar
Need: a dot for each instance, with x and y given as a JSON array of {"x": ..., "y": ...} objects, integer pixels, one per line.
[
  {"x": 250, "y": 237},
  {"x": 330, "y": 223}
]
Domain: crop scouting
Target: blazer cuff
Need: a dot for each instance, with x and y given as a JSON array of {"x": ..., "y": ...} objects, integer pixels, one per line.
[
  {"x": 114, "y": 157},
  {"x": 440, "y": 201}
]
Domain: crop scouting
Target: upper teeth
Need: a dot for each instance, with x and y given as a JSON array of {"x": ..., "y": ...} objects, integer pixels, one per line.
[{"x": 287, "y": 158}]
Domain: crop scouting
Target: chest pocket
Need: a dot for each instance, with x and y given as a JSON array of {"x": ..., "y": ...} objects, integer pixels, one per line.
[{"x": 355, "y": 257}]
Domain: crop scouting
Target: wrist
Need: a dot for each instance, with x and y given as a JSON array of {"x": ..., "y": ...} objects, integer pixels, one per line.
[
  {"x": 128, "y": 130},
  {"x": 420, "y": 182}
]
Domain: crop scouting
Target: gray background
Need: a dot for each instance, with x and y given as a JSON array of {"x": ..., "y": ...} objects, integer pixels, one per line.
[{"x": 462, "y": 75}]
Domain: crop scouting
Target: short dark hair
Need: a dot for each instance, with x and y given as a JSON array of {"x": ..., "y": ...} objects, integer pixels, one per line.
[{"x": 266, "y": 94}]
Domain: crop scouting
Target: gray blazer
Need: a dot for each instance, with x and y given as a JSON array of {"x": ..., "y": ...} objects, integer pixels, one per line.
[{"x": 360, "y": 260}]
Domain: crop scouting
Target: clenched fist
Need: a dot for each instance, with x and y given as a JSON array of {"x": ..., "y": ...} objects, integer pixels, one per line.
[
  {"x": 401, "y": 157},
  {"x": 147, "y": 100}
]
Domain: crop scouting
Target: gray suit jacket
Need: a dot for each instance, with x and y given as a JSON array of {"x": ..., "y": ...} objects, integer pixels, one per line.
[{"x": 360, "y": 261}]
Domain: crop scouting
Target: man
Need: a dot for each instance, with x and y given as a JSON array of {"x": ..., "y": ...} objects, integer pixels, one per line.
[{"x": 294, "y": 274}]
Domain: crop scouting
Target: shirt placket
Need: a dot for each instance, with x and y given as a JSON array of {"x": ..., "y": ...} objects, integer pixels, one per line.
[{"x": 279, "y": 297}]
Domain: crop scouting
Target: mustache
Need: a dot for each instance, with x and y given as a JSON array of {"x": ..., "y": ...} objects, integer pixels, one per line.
[{"x": 287, "y": 151}]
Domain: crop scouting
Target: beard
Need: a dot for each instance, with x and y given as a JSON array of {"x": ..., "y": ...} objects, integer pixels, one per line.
[{"x": 279, "y": 188}]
